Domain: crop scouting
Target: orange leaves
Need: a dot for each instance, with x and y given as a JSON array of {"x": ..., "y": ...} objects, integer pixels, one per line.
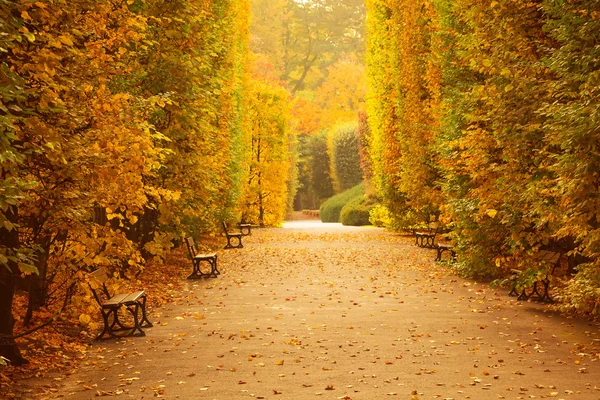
[{"x": 308, "y": 116}]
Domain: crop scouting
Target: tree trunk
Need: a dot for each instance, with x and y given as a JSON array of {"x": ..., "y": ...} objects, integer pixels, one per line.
[
  {"x": 38, "y": 284},
  {"x": 308, "y": 63},
  {"x": 8, "y": 280}
]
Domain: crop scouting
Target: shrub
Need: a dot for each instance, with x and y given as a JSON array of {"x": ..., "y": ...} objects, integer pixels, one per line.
[
  {"x": 331, "y": 209},
  {"x": 357, "y": 211}
]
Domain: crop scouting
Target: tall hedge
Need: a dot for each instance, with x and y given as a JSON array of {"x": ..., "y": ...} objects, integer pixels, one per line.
[
  {"x": 121, "y": 130},
  {"x": 486, "y": 113},
  {"x": 320, "y": 164},
  {"x": 345, "y": 157}
]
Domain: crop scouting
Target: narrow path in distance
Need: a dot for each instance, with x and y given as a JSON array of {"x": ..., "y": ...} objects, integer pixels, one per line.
[{"x": 327, "y": 312}]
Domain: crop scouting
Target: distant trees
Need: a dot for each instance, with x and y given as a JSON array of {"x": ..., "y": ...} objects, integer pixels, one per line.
[{"x": 314, "y": 48}]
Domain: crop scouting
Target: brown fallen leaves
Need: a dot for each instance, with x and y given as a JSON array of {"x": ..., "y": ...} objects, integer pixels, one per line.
[{"x": 63, "y": 345}]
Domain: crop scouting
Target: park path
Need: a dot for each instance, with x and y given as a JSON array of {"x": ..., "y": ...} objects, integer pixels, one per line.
[{"x": 314, "y": 311}]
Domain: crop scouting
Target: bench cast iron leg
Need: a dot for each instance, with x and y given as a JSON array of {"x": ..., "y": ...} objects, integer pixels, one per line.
[
  {"x": 135, "y": 309},
  {"x": 230, "y": 246},
  {"x": 144, "y": 322},
  {"x": 546, "y": 296},
  {"x": 197, "y": 272},
  {"x": 214, "y": 270},
  {"x": 523, "y": 296},
  {"x": 108, "y": 326},
  {"x": 438, "y": 257}
]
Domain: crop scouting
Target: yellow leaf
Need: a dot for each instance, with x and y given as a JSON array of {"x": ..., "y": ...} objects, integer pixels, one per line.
[
  {"x": 30, "y": 36},
  {"x": 25, "y": 15},
  {"x": 84, "y": 319},
  {"x": 491, "y": 213},
  {"x": 66, "y": 40}
]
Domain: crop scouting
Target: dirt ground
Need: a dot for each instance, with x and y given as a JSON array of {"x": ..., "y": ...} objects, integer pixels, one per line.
[{"x": 323, "y": 311}]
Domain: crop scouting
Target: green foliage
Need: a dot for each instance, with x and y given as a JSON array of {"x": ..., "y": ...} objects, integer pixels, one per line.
[
  {"x": 315, "y": 38},
  {"x": 357, "y": 211},
  {"x": 345, "y": 157},
  {"x": 363, "y": 134},
  {"x": 569, "y": 192},
  {"x": 330, "y": 210}
]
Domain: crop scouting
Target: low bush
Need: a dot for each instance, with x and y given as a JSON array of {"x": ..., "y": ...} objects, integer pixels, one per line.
[
  {"x": 331, "y": 209},
  {"x": 357, "y": 211}
]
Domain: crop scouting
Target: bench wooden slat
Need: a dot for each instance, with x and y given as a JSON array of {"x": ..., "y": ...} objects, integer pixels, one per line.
[
  {"x": 124, "y": 298},
  {"x": 100, "y": 275},
  {"x": 205, "y": 256}
]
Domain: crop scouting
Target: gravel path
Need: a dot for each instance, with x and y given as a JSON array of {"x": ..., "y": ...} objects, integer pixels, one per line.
[{"x": 320, "y": 311}]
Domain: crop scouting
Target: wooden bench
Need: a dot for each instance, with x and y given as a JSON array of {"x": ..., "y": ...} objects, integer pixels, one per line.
[
  {"x": 229, "y": 235},
  {"x": 197, "y": 260},
  {"x": 426, "y": 238},
  {"x": 245, "y": 229},
  {"x": 536, "y": 278},
  {"x": 311, "y": 213},
  {"x": 134, "y": 303},
  {"x": 441, "y": 248}
]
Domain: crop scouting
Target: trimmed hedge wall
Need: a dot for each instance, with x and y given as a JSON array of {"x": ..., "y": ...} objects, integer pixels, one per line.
[
  {"x": 345, "y": 157},
  {"x": 357, "y": 211},
  {"x": 331, "y": 209}
]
